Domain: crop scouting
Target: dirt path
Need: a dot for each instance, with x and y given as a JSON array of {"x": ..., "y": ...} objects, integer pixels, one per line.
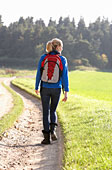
[
  {"x": 6, "y": 101},
  {"x": 22, "y": 150}
]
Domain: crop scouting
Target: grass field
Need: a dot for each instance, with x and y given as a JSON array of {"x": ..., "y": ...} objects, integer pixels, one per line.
[
  {"x": 86, "y": 120},
  {"x": 96, "y": 85}
]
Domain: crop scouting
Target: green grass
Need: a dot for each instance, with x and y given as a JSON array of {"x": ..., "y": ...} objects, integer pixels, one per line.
[
  {"x": 96, "y": 85},
  {"x": 86, "y": 120},
  {"x": 8, "y": 119},
  {"x": 87, "y": 127},
  {"x": 26, "y": 84}
]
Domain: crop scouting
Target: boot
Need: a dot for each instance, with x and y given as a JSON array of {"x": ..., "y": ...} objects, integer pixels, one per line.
[
  {"x": 53, "y": 131},
  {"x": 46, "y": 137}
]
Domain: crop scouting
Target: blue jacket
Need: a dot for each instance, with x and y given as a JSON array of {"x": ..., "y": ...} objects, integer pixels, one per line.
[{"x": 63, "y": 80}]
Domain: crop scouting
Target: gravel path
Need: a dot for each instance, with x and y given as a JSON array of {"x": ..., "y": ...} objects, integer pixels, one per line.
[{"x": 22, "y": 150}]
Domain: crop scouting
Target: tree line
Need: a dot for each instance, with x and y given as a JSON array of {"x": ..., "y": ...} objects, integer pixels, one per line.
[{"x": 23, "y": 42}]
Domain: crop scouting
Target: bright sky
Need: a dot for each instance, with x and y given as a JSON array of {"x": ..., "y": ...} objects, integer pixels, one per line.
[{"x": 12, "y": 10}]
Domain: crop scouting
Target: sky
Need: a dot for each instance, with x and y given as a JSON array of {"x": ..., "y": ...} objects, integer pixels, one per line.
[{"x": 12, "y": 10}]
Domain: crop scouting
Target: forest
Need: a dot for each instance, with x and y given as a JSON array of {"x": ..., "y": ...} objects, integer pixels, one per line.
[{"x": 23, "y": 42}]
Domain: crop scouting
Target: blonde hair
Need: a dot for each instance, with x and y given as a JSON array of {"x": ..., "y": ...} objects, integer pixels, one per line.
[{"x": 52, "y": 45}]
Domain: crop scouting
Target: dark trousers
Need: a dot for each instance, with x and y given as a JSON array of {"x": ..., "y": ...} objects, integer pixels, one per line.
[{"x": 50, "y": 98}]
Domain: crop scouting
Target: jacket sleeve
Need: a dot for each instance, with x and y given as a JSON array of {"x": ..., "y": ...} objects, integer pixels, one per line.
[
  {"x": 38, "y": 75},
  {"x": 65, "y": 80}
]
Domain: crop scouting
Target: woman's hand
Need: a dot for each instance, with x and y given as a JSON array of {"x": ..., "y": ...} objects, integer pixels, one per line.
[
  {"x": 37, "y": 92},
  {"x": 65, "y": 96}
]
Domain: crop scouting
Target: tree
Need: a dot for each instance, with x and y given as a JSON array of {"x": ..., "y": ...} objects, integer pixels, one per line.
[
  {"x": 81, "y": 29},
  {"x": 25, "y": 40},
  {"x": 39, "y": 50},
  {"x": 52, "y": 23},
  {"x": 1, "y": 23}
]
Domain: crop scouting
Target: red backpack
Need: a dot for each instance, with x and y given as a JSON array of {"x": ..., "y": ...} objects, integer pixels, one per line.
[{"x": 51, "y": 68}]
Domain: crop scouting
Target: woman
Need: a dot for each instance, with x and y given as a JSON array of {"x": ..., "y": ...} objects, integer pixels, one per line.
[{"x": 50, "y": 92}]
